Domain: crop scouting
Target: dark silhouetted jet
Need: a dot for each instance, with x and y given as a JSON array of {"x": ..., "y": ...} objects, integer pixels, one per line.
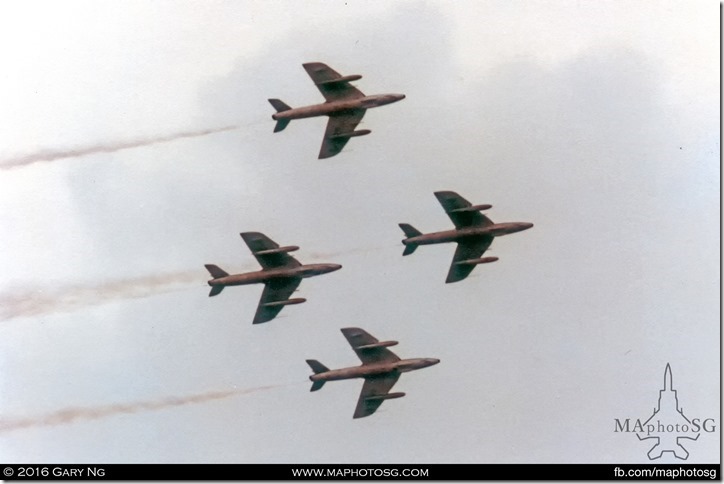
[
  {"x": 380, "y": 368},
  {"x": 281, "y": 274},
  {"x": 474, "y": 232},
  {"x": 345, "y": 107}
]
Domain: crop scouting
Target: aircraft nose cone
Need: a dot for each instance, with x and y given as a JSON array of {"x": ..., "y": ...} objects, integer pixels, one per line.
[
  {"x": 434, "y": 361},
  {"x": 336, "y": 267},
  {"x": 527, "y": 225}
]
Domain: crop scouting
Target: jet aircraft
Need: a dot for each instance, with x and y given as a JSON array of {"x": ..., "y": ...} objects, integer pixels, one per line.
[
  {"x": 281, "y": 274},
  {"x": 345, "y": 105},
  {"x": 474, "y": 232},
  {"x": 380, "y": 369}
]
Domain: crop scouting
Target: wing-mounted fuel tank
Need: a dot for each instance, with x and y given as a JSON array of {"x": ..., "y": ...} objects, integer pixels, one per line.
[
  {"x": 472, "y": 208},
  {"x": 285, "y": 302},
  {"x": 352, "y": 134},
  {"x": 473, "y": 262},
  {"x": 386, "y": 396},
  {"x": 278, "y": 250},
  {"x": 380, "y": 344},
  {"x": 350, "y": 78}
]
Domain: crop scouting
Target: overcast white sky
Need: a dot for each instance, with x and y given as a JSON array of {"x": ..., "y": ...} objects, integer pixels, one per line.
[{"x": 596, "y": 121}]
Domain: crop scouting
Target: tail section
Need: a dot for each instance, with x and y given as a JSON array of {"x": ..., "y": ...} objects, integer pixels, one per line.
[
  {"x": 410, "y": 231},
  {"x": 317, "y": 368},
  {"x": 215, "y": 271},
  {"x": 215, "y": 290},
  {"x": 280, "y": 106}
]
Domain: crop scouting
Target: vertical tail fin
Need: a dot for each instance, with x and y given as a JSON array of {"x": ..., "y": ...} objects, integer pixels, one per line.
[
  {"x": 215, "y": 290},
  {"x": 317, "y": 385},
  {"x": 409, "y": 231}
]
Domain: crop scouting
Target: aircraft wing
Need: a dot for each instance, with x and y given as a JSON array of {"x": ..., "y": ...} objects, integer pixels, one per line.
[
  {"x": 337, "y": 126},
  {"x": 275, "y": 291},
  {"x": 472, "y": 248},
  {"x": 374, "y": 386},
  {"x": 324, "y": 78},
  {"x": 259, "y": 242},
  {"x": 451, "y": 201},
  {"x": 359, "y": 337}
]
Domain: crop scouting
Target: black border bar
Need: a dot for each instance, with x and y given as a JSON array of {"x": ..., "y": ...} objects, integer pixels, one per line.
[{"x": 388, "y": 472}]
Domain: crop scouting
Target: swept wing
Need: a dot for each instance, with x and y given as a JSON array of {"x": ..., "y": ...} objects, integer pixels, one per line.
[
  {"x": 374, "y": 386},
  {"x": 330, "y": 83},
  {"x": 338, "y": 126},
  {"x": 453, "y": 203},
  {"x": 471, "y": 248},
  {"x": 260, "y": 244},
  {"x": 359, "y": 338},
  {"x": 275, "y": 292}
]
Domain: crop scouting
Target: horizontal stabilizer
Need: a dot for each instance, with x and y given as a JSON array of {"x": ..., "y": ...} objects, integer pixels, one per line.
[
  {"x": 409, "y": 230},
  {"x": 317, "y": 367},
  {"x": 279, "y": 105},
  {"x": 317, "y": 385},
  {"x": 281, "y": 124},
  {"x": 215, "y": 290},
  {"x": 409, "y": 249},
  {"x": 215, "y": 271}
]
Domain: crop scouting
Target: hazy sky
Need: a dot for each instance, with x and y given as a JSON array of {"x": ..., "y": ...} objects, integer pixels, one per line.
[{"x": 596, "y": 121}]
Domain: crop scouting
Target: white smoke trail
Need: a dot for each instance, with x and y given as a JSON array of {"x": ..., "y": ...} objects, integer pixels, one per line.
[
  {"x": 32, "y": 302},
  {"x": 74, "y": 414},
  {"x": 50, "y": 155}
]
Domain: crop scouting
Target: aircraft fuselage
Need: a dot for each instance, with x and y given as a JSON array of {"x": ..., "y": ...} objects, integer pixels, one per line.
[
  {"x": 334, "y": 107},
  {"x": 307, "y": 270},
  {"x": 364, "y": 371},
  {"x": 456, "y": 235}
]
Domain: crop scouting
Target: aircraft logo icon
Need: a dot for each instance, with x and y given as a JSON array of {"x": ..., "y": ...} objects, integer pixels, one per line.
[{"x": 668, "y": 425}]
